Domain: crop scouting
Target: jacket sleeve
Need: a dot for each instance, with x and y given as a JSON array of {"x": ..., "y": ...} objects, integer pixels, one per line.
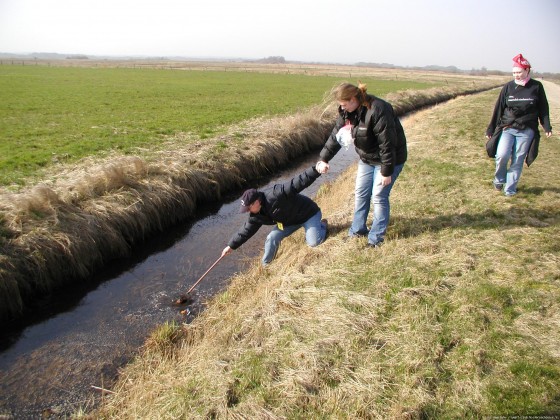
[
  {"x": 498, "y": 111},
  {"x": 331, "y": 147},
  {"x": 296, "y": 184},
  {"x": 250, "y": 227},
  {"x": 385, "y": 131}
]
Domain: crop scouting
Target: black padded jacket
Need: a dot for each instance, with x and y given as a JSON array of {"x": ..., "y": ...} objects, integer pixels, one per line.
[
  {"x": 379, "y": 137},
  {"x": 281, "y": 203}
]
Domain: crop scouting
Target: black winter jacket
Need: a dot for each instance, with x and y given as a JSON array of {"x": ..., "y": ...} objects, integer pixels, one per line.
[
  {"x": 379, "y": 141},
  {"x": 519, "y": 107},
  {"x": 280, "y": 203}
]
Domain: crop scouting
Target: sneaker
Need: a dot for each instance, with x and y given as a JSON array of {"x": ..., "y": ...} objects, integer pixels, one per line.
[
  {"x": 357, "y": 235},
  {"x": 376, "y": 245},
  {"x": 325, "y": 223},
  {"x": 498, "y": 187}
]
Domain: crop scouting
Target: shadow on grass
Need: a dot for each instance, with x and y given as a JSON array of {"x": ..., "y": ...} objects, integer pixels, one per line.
[
  {"x": 490, "y": 219},
  {"x": 538, "y": 190}
]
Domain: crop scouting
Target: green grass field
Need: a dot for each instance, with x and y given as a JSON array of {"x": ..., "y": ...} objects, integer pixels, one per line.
[{"x": 60, "y": 114}]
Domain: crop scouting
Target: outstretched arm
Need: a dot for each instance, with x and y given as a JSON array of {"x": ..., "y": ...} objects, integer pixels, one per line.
[
  {"x": 297, "y": 184},
  {"x": 250, "y": 227}
]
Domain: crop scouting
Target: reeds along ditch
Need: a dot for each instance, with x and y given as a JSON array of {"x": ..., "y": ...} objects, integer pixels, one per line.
[{"x": 59, "y": 232}]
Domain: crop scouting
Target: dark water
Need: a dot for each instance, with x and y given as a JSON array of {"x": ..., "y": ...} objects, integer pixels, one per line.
[{"x": 50, "y": 367}]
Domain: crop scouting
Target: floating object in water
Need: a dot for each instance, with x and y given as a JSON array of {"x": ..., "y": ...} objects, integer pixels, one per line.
[{"x": 186, "y": 298}]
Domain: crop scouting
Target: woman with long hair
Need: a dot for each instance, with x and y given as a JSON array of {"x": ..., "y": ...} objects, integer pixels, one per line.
[{"x": 370, "y": 124}]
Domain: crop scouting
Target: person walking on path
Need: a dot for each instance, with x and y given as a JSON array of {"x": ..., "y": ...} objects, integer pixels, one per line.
[
  {"x": 513, "y": 133},
  {"x": 281, "y": 205},
  {"x": 370, "y": 124}
]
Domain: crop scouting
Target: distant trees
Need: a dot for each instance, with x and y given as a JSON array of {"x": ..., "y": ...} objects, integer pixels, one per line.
[
  {"x": 479, "y": 72},
  {"x": 548, "y": 76},
  {"x": 276, "y": 59}
]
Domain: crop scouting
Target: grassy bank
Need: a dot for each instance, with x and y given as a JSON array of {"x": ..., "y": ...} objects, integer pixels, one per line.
[
  {"x": 456, "y": 316},
  {"x": 81, "y": 216}
]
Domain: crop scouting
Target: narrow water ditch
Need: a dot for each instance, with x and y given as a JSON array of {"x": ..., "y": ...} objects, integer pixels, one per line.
[{"x": 50, "y": 368}]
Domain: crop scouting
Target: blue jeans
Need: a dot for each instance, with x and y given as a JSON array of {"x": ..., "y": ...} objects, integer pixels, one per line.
[
  {"x": 369, "y": 190},
  {"x": 315, "y": 233},
  {"x": 513, "y": 146}
]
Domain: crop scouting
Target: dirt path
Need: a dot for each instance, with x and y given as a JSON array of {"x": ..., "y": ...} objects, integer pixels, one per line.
[{"x": 553, "y": 96}]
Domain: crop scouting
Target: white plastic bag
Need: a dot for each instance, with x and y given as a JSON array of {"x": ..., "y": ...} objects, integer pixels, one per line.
[{"x": 344, "y": 136}]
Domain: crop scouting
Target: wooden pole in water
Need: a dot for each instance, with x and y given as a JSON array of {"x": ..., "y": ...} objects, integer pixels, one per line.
[{"x": 184, "y": 297}]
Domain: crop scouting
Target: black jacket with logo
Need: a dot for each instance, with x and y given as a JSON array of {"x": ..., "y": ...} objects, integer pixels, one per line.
[
  {"x": 379, "y": 137},
  {"x": 520, "y": 107},
  {"x": 281, "y": 203}
]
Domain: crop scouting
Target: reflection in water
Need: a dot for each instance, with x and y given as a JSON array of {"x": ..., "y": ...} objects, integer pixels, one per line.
[{"x": 53, "y": 364}]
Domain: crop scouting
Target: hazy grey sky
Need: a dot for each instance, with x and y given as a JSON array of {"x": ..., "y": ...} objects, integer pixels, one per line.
[{"x": 466, "y": 34}]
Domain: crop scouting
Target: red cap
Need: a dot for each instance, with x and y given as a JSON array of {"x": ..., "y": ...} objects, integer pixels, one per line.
[{"x": 521, "y": 62}]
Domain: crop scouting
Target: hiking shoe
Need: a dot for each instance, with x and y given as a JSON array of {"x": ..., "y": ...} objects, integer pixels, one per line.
[
  {"x": 325, "y": 223},
  {"x": 357, "y": 235}
]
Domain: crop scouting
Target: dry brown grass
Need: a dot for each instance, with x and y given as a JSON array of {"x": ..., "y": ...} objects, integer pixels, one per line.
[{"x": 455, "y": 316}]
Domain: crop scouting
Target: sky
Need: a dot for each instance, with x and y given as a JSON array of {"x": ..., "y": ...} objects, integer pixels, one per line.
[{"x": 466, "y": 34}]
